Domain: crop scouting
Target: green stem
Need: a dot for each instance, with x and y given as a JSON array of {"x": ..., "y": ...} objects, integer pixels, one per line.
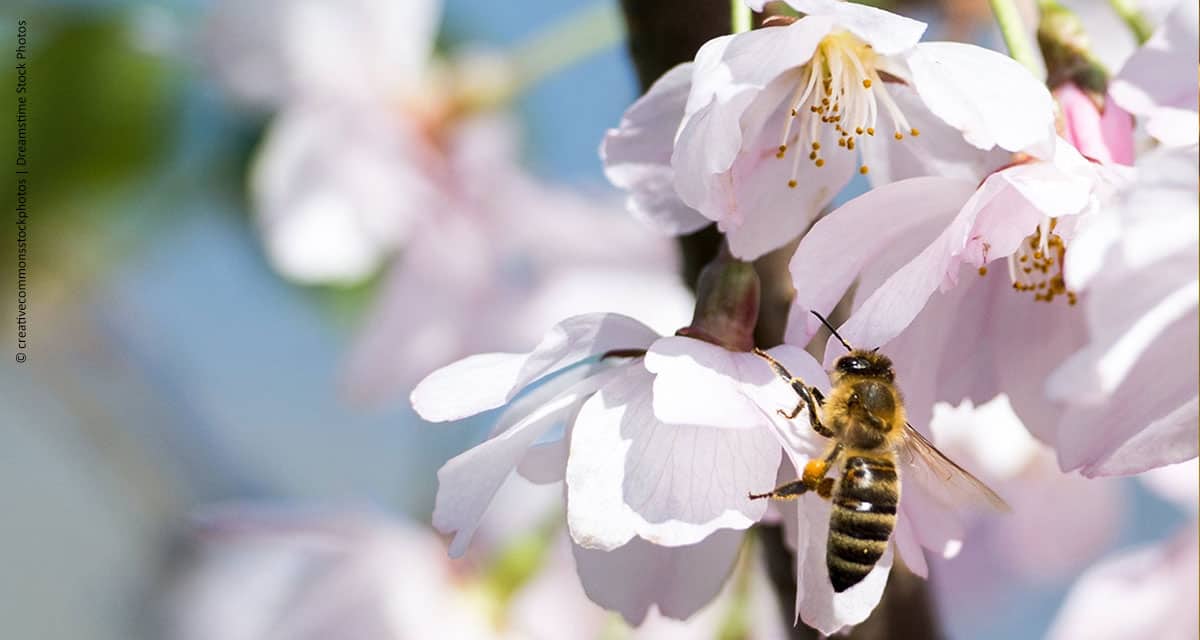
[
  {"x": 740, "y": 19},
  {"x": 1133, "y": 19},
  {"x": 567, "y": 42},
  {"x": 1015, "y": 36}
]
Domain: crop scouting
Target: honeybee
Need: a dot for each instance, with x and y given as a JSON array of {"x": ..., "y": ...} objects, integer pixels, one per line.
[{"x": 870, "y": 439}]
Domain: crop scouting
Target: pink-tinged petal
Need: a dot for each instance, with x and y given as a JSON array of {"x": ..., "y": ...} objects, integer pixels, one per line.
[
  {"x": 993, "y": 222},
  {"x": 886, "y": 32},
  {"x": 764, "y": 213},
  {"x": 1169, "y": 439},
  {"x": 910, "y": 551},
  {"x": 816, "y": 602},
  {"x": 989, "y": 97},
  {"x": 701, "y": 384},
  {"x": 483, "y": 382},
  {"x": 630, "y": 474},
  {"x": 1174, "y": 127},
  {"x": 1149, "y": 592},
  {"x": 706, "y": 147},
  {"x": 834, "y": 252},
  {"x": 678, "y": 580},
  {"x": 1153, "y": 218},
  {"x": 637, "y": 154},
  {"x": 1021, "y": 372},
  {"x": 1157, "y": 83},
  {"x": 467, "y": 482},
  {"x": 1125, "y": 320},
  {"x": 729, "y": 66},
  {"x": 1148, "y": 421},
  {"x": 938, "y": 151},
  {"x": 1105, "y": 137}
]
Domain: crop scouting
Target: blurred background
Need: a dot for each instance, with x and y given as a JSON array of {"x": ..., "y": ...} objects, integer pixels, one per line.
[{"x": 171, "y": 366}]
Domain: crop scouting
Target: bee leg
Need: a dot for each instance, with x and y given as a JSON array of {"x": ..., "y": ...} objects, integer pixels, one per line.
[
  {"x": 793, "y": 413},
  {"x": 825, "y": 489},
  {"x": 813, "y": 479},
  {"x": 789, "y": 491},
  {"x": 810, "y": 397},
  {"x": 816, "y": 399}
]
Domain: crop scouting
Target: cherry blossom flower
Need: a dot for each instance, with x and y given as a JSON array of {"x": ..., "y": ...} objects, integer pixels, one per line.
[
  {"x": 1146, "y": 592},
  {"x": 1157, "y": 83},
  {"x": 1131, "y": 391},
  {"x": 664, "y": 438},
  {"x": 953, "y": 338},
  {"x": 326, "y": 216},
  {"x": 787, "y": 106}
]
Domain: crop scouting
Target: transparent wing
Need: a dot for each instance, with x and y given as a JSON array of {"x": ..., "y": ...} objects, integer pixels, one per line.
[{"x": 942, "y": 477}]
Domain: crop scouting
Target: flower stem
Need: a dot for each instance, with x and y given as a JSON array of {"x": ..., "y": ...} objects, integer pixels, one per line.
[
  {"x": 739, "y": 16},
  {"x": 1133, "y": 19},
  {"x": 564, "y": 43},
  {"x": 1015, "y": 36}
]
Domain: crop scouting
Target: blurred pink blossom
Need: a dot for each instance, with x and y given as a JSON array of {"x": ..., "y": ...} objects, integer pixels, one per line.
[
  {"x": 1146, "y": 592},
  {"x": 1105, "y": 136},
  {"x": 1158, "y": 83},
  {"x": 736, "y": 123},
  {"x": 351, "y": 161}
]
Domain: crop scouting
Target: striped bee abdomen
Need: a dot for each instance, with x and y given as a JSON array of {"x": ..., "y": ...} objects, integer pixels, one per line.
[{"x": 864, "y": 514}]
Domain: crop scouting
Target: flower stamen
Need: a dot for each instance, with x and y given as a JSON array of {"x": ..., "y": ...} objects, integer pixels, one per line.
[
  {"x": 840, "y": 87},
  {"x": 1037, "y": 265}
]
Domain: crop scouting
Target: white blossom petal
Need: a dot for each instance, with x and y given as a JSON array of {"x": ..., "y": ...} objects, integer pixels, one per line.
[
  {"x": 468, "y": 481},
  {"x": 637, "y": 154},
  {"x": 816, "y": 602},
  {"x": 886, "y": 32},
  {"x": 698, "y": 383},
  {"x": 678, "y": 580},
  {"x": 486, "y": 381},
  {"x": 630, "y": 474},
  {"x": 987, "y": 95},
  {"x": 1156, "y": 82},
  {"x": 834, "y": 252}
]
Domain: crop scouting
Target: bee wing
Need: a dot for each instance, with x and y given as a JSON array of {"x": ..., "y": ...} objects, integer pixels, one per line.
[{"x": 942, "y": 477}]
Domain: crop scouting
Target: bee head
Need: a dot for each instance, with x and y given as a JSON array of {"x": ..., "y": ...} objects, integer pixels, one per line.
[{"x": 866, "y": 364}]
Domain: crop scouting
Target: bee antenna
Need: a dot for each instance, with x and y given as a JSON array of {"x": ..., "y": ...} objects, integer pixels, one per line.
[
  {"x": 875, "y": 350},
  {"x": 833, "y": 331}
]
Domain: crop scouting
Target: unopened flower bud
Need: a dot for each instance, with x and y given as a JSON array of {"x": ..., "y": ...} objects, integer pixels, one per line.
[
  {"x": 726, "y": 304},
  {"x": 1067, "y": 51}
]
